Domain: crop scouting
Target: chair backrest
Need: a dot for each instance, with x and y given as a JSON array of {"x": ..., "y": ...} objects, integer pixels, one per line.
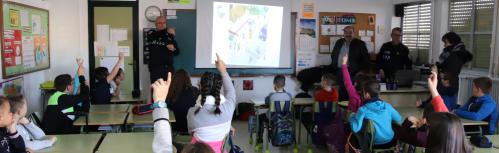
[
  {"x": 325, "y": 106},
  {"x": 280, "y": 106}
]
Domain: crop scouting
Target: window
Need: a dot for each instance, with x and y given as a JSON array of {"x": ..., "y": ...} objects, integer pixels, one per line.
[
  {"x": 416, "y": 31},
  {"x": 473, "y": 21}
]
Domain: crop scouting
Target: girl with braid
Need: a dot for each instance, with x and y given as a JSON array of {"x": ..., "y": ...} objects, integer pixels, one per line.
[{"x": 209, "y": 121}]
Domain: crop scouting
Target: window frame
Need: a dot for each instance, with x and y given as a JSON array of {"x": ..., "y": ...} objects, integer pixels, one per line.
[{"x": 429, "y": 54}]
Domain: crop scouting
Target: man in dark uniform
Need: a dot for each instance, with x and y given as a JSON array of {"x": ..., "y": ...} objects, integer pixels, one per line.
[
  {"x": 163, "y": 47},
  {"x": 393, "y": 56}
]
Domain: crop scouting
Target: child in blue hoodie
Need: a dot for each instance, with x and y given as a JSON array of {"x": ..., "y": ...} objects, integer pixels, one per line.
[
  {"x": 381, "y": 113},
  {"x": 481, "y": 106}
]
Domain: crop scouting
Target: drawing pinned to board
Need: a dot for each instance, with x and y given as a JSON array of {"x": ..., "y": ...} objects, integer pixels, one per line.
[
  {"x": 28, "y": 46},
  {"x": 41, "y": 52},
  {"x": 247, "y": 84},
  {"x": 14, "y": 17},
  {"x": 11, "y": 87},
  {"x": 307, "y": 34},
  {"x": 12, "y": 47},
  {"x": 36, "y": 24}
]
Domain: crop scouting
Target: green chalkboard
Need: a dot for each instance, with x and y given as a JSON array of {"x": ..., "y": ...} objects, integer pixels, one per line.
[{"x": 185, "y": 26}]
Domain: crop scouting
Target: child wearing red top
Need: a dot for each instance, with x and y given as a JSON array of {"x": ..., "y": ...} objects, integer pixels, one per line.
[{"x": 328, "y": 93}]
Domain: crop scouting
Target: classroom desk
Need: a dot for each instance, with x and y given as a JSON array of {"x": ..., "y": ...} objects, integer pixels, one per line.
[
  {"x": 495, "y": 146},
  {"x": 102, "y": 119},
  {"x": 127, "y": 143},
  {"x": 127, "y": 99},
  {"x": 146, "y": 118},
  {"x": 75, "y": 143},
  {"x": 405, "y": 97},
  {"x": 109, "y": 108}
]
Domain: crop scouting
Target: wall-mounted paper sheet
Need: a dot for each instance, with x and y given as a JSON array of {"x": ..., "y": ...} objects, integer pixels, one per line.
[
  {"x": 118, "y": 34},
  {"x": 109, "y": 63},
  {"x": 102, "y": 33},
  {"x": 328, "y": 30},
  {"x": 124, "y": 49}
]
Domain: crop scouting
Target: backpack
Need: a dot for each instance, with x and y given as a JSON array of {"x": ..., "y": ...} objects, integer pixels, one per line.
[{"x": 282, "y": 132}]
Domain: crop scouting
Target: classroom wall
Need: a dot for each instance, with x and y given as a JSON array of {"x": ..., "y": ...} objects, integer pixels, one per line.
[{"x": 68, "y": 38}]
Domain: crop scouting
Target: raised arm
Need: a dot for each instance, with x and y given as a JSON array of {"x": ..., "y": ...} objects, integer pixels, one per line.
[
  {"x": 162, "y": 142},
  {"x": 437, "y": 101},
  {"x": 116, "y": 68},
  {"x": 229, "y": 90}
]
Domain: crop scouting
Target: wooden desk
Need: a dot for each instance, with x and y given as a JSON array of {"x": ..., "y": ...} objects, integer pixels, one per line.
[
  {"x": 405, "y": 97},
  {"x": 75, "y": 143},
  {"x": 102, "y": 119},
  {"x": 127, "y": 99},
  {"x": 127, "y": 143},
  {"x": 146, "y": 118},
  {"x": 494, "y": 139},
  {"x": 109, "y": 108}
]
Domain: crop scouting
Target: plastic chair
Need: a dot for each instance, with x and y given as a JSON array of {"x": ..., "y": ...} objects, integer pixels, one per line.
[{"x": 370, "y": 131}]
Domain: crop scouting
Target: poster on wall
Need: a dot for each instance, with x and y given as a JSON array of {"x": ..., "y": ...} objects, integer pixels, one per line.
[
  {"x": 11, "y": 87},
  {"x": 25, "y": 42},
  {"x": 307, "y": 34},
  {"x": 308, "y": 10}
]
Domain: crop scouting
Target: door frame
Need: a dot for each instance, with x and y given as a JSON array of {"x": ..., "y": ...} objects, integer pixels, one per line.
[{"x": 135, "y": 36}]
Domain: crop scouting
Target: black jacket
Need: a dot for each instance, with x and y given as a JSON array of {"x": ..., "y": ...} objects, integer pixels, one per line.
[
  {"x": 358, "y": 58},
  {"x": 453, "y": 63},
  {"x": 160, "y": 55},
  {"x": 11, "y": 143},
  {"x": 181, "y": 106},
  {"x": 392, "y": 58},
  {"x": 56, "y": 122}
]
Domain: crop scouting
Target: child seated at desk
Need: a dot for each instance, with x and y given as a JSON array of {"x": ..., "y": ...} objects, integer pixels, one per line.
[
  {"x": 379, "y": 112},
  {"x": 210, "y": 120},
  {"x": 55, "y": 120},
  {"x": 447, "y": 91},
  {"x": 279, "y": 94},
  {"x": 116, "y": 83},
  {"x": 10, "y": 140},
  {"x": 34, "y": 137},
  {"x": 101, "y": 89},
  {"x": 481, "y": 106}
]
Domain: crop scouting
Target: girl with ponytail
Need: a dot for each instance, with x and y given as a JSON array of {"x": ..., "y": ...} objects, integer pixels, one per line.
[{"x": 209, "y": 121}]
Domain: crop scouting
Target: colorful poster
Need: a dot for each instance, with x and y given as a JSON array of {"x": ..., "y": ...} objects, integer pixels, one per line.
[
  {"x": 14, "y": 86},
  {"x": 14, "y": 17},
  {"x": 308, "y": 10},
  {"x": 307, "y": 27},
  {"x": 41, "y": 50},
  {"x": 12, "y": 48}
]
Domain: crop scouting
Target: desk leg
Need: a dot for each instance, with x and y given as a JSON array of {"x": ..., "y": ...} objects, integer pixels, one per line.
[{"x": 299, "y": 124}]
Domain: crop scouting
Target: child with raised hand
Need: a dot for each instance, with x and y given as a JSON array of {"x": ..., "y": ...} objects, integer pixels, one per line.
[
  {"x": 162, "y": 142},
  {"x": 116, "y": 83},
  {"x": 101, "y": 89},
  {"x": 481, "y": 106},
  {"x": 210, "y": 120},
  {"x": 381, "y": 113},
  {"x": 354, "y": 101},
  {"x": 34, "y": 137},
  {"x": 445, "y": 131},
  {"x": 10, "y": 140}
]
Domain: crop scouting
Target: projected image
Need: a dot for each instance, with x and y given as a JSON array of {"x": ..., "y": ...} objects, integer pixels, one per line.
[{"x": 247, "y": 34}]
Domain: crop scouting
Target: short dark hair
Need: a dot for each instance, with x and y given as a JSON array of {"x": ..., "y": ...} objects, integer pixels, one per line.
[
  {"x": 329, "y": 78},
  {"x": 483, "y": 83},
  {"x": 279, "y": 81},
  {"x": 198, "y": 147},
  {"x": 120, "y": 71},
  {"x": 452, "y": 38},
  {"x": 101, "y": 73},
  {"x": 62, "y": 81},
  {"x": 397, "y": 29},
  {"x": 16, "y": 101},
  {"x": 372, "y": 88}
]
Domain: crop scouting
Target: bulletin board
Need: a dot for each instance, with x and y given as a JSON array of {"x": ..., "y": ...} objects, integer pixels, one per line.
[
  {"x": 331, "y": 26},
  {"x": 24, "y": 39}
]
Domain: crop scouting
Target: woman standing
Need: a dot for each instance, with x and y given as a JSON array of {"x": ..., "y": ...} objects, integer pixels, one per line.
[{"x": 453, "y": 57}]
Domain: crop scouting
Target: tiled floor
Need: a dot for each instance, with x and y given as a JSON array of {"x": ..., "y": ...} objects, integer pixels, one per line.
[{"x": 242, "y": 140}]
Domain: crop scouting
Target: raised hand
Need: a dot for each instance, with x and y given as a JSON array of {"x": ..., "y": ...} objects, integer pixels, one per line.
[
  {"x": 432, "y": 84},
  {"x": 344, "y": 59},
  {"x": 220, "y": 64},
  {"x": 121, "y": 56},
  {"x": 81, "y": 67},
  {"x": 160, "y": 88},
  {"x": 171, "y": 47}
]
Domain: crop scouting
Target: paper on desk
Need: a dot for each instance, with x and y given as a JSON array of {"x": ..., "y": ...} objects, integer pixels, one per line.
[
  {"x": 118, "y": 34},
  {"x": 109, "y": 63},
  {"x": 102, "y": 33}
]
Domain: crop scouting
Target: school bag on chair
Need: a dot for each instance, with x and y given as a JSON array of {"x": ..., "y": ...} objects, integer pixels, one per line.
[{"x": 282, "y": 129}]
